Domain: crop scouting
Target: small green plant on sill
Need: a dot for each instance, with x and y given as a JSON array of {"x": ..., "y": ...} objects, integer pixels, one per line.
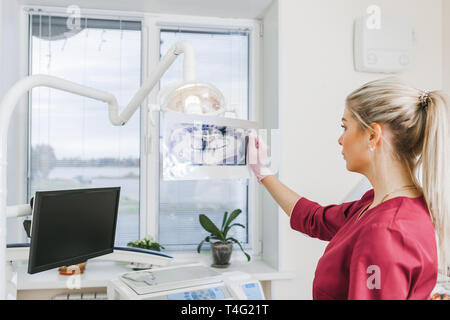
[
  {"x": 221, "y": 234},
  {"x": 147, "y": 243}
]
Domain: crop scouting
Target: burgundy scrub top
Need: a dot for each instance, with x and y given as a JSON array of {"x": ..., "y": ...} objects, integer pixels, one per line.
[{"x": 390, "y": 253}]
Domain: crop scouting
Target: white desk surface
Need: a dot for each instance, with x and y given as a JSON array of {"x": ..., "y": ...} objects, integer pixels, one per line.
[{"x": 98, "y": 273}]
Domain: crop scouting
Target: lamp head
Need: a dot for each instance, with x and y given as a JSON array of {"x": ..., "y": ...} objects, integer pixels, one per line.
[{"x": 195, "y": 98}]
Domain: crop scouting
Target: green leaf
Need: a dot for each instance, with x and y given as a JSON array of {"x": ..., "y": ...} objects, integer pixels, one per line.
[
  {"x": 232, "y": 216},
  {"x": 242, "y": 249},
  {"x": 199, "y": 247},
  {"x": 224, "y": 220},
  {"x": 209, "y": 226},
  {"x": 225, "y": 232},
  {"x": 154, "y": 246},
  {"x": 146, "y": 243}
]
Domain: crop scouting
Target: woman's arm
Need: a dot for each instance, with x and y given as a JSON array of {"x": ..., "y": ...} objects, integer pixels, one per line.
[
  {"x": 305, "y": 216},
  {"x": 285, "y": 197},
  {"x": 257, "y": 157}
]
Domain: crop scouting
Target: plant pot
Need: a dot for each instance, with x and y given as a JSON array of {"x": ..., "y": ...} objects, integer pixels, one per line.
[{"x": 221, "y": 253}]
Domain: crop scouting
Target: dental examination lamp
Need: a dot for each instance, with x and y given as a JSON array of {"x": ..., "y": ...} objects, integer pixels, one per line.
[{"x": 188, "y": 96}]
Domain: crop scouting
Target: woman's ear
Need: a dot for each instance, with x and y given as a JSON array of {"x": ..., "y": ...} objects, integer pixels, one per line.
[{"x": 375, "y": 134}]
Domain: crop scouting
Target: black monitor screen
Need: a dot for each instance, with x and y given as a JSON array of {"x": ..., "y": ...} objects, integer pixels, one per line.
[{"x": 71, "y": 226}]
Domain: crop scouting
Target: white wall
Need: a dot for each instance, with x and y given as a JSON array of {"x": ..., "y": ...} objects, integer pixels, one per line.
[{"x": 316, "y": 73}]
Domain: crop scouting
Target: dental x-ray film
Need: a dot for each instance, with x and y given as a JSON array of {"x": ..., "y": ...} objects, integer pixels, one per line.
[
  {"x": 204, "y": 144},
  {"x": 192, "y": 143}
]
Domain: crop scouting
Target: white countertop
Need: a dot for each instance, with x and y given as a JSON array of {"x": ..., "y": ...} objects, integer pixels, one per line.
[{"x": 98, "y": 273}]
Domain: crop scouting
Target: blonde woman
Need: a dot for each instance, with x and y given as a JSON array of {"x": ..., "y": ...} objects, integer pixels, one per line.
[{"x": 384, "y": 245}]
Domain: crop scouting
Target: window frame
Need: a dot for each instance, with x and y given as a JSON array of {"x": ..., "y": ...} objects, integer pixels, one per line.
[
  {"x": 154, "y": 24},
  {"x": 149, "y": 167}
]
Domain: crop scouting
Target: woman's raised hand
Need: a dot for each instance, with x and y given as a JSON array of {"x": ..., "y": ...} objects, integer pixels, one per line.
[{"x": 257, "y": 157}]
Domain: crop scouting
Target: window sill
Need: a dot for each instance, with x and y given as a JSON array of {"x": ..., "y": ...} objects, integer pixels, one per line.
[{"x": 256, "y": 267}]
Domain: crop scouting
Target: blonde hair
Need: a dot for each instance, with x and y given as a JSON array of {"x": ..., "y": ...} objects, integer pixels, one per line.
[{"x": 420, "y": 123}]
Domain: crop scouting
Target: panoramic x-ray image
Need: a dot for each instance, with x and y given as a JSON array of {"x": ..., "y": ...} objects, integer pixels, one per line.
[{"x": 206, "y": 144}]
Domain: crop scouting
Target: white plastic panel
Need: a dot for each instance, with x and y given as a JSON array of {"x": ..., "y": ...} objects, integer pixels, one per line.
[{"x": 386, "y": 48}]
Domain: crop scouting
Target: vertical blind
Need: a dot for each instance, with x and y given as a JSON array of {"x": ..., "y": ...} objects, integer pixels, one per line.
[
  {"x": 71, "y": 141},
  {"x": 222, "y": 59}
]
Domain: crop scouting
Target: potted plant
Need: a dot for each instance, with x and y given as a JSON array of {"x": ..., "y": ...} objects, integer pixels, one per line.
[
  {"x": 147, "y": 243},
  {"x": 222, "y": 248}
]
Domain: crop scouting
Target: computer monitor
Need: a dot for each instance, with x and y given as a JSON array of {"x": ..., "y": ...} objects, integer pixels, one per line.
[{"x": 71, "y": 226}]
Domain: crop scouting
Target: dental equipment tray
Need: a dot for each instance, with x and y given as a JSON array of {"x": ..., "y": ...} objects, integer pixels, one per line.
[{"x": 170, "y": 278}]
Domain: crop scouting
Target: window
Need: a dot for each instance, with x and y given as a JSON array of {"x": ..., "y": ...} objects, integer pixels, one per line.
[
  {"x": 72, "y": 143},
  {"x": 222, "y": 60}
]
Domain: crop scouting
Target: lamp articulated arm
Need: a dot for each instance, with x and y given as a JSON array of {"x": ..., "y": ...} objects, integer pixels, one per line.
[
  {"x": 174, "y": 52},
  {"x": 13, "y": 95}
]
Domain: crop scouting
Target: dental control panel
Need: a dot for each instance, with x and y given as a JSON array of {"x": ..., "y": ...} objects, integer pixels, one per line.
[
  {"x": 215, "y": 293},
  {"x": 188, "y": 282}
]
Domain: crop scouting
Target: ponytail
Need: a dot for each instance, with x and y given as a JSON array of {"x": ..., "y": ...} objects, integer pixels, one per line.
[{"x": 435, "y": 160}]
